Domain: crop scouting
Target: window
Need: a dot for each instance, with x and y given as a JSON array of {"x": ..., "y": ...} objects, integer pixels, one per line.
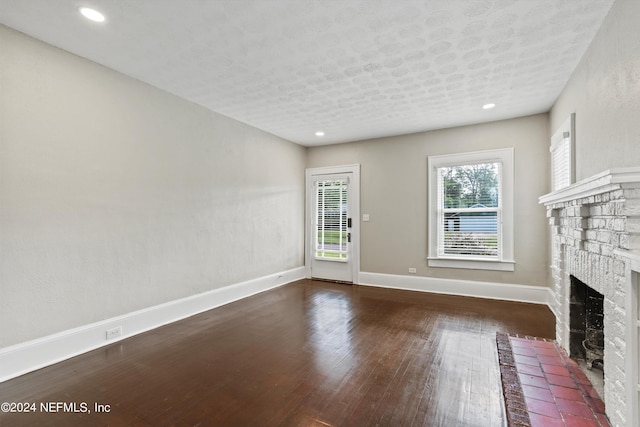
[
  {"x": 331, "y": 220},
  {"x": 471, "y": 210},
  {"x": 562, "y": 172}
]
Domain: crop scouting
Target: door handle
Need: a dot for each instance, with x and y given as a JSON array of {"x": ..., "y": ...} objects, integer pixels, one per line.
[
  {"x": 348, "y": 237},
  {"x": 349, "y": 222}
]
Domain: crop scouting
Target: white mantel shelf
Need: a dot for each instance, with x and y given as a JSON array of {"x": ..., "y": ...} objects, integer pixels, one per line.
[{"x": 609, "y": 180}]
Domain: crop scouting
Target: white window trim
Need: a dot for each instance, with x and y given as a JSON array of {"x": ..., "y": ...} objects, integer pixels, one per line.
[{"x": 506, "y": 261}]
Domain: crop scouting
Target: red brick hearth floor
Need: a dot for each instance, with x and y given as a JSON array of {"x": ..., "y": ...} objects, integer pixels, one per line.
[{"x": 543, "y": 387}]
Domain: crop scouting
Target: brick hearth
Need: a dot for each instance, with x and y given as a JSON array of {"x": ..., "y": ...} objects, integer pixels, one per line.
[{"x": 544, "y": 388}]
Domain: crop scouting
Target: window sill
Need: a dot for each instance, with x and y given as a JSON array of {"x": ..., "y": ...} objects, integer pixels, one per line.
[{"x": 472, "y": 264}]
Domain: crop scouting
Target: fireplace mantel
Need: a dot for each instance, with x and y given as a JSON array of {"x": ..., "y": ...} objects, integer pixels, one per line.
[{"x": 604, "y": 182}]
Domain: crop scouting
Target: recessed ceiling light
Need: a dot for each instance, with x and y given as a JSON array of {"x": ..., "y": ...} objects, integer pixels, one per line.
[
  {"x": 91, "y": 14},
  {"x": 488, "y": 106},
  {"x": 319, "y": 133}
]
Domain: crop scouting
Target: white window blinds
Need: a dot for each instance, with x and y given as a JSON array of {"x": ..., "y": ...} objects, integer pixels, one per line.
[
  {"x": 562, "y": 155},
  {"x": 331, "y": 237},
  {"x": 470, "y": 210},
  {"x": 561, "y": 163}
]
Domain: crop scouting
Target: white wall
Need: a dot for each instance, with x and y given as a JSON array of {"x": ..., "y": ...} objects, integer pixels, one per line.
[
  {"x": 116, "y": 196},
  {"x": 394, "y": 193},
  {"x": 604, "y": 92}
]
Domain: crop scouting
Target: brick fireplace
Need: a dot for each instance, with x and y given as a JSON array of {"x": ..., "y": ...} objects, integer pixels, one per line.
[{"x": 595, "y": 237}]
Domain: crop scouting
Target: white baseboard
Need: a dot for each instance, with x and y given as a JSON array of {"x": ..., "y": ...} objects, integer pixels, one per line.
[
  {"x": 21, "y": 358},
  {"x": 491, "y": 290}
]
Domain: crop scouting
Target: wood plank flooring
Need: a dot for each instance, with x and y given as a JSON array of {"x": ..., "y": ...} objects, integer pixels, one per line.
[{"x": 306, "y": 354}]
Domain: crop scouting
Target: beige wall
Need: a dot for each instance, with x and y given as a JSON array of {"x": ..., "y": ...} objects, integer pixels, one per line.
[
  {"x": 604, "y": 92},
  {"x": 394, "y": 193},
  {"x": 116, "y": 196}
]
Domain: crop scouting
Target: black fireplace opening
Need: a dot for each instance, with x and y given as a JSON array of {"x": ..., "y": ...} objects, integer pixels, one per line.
[{"x": 586, "y": 317}]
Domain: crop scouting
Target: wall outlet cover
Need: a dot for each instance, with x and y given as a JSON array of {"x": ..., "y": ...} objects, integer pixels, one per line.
[{"x": 114, "y": 333}]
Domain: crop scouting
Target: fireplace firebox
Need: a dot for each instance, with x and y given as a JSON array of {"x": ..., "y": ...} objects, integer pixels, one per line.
[{"x": 586, "y": 324}]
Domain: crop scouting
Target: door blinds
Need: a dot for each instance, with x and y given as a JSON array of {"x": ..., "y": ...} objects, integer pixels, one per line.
[{"x": 331, "y": 234}]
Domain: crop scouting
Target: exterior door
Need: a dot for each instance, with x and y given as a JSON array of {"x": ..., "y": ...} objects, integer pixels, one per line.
[{"x": 331, "y": 226}]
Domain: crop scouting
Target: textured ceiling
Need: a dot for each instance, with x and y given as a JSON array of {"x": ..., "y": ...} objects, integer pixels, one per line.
[{"x": 354, "y": 69}]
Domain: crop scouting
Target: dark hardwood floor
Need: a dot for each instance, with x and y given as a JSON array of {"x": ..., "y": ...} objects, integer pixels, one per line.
[{"x": 306, "y": 354}]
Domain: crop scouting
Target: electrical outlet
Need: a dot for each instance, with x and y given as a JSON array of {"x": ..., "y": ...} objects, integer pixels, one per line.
[
  {"x": 412, "y": 270},
  {"x": 114, "y": 333}
]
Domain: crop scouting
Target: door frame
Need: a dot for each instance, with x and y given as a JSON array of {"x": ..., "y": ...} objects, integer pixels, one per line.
[{"x": 311, "y": 173}]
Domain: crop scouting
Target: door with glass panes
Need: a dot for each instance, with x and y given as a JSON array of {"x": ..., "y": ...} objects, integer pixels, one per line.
[{"x": 331, "y": 227}]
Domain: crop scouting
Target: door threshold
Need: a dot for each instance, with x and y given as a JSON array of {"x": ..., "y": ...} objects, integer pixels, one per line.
[{"x": 342, "y": 282}]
